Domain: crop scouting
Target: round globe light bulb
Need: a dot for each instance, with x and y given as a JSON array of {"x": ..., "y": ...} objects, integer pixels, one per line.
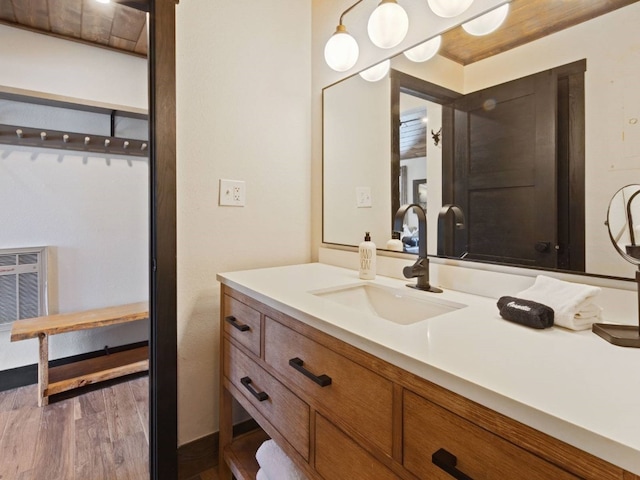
[
  {"x": 425, "y": 51},
  {"x": 449, "y": 8},
  {"x": 377, "y": 72},
  {"x": 388, "y": 24},
  {"x": 487, "y": 23},
  {"x": 341, "y": 51}
]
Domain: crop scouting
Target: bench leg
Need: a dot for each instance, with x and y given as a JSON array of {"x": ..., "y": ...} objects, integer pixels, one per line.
[{"x": 43, "y": 370}]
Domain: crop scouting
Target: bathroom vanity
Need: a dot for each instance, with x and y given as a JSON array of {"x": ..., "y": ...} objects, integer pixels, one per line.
[{"x": 351, "y": 391}]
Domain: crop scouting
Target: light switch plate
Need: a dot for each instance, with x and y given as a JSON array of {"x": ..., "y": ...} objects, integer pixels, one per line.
[
  {"x": 232, "y": 193},
  {"x": 363, "y": 197}
]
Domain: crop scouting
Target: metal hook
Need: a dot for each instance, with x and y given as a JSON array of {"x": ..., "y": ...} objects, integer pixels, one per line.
[
  {"x": 87, "y": 140},
  {"x": 19, "y": 133},
  {"x": 126, "y": 144},
  {"x": 43, "y": 136},
  {"x": 143, "y": 146},
  {"x": 107, "y": 142},
  {"x": 65, "y": 138}
]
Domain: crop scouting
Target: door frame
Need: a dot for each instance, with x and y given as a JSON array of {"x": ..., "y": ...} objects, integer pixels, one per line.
[{"x": 163, "y": 402}]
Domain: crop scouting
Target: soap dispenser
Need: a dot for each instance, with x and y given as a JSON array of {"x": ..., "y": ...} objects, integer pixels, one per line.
[
  {"x": 395, "y": 244},
  {"x": 367, "y": 252}
]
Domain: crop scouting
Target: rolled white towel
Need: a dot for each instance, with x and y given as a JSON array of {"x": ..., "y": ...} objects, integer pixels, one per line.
[
  {"x": 276, "y": 464},
  {"x": 571, "y": 302},
  {"x": 261, "y": 475}
]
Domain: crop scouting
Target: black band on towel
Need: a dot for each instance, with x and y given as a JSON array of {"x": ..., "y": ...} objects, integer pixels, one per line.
[{"x": 525, "y": 312}]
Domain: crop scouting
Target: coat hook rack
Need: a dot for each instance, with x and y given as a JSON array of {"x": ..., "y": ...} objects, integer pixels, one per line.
[{"x": 32, "y": 137}]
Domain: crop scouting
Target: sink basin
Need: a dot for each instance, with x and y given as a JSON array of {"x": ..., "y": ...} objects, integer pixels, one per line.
[{"x": 392, "y": 304}]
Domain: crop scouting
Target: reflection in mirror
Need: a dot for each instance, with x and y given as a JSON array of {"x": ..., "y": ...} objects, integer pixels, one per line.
[{"x": 358, "y": 137}]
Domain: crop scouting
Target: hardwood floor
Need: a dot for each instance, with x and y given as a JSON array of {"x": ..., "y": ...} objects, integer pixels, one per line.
[
  {"x": 101, "y": 434},
  {"x": 98, "y": 435}
]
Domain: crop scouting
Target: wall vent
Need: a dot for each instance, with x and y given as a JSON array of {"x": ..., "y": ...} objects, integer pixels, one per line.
[{"x": 23, "y": 284}]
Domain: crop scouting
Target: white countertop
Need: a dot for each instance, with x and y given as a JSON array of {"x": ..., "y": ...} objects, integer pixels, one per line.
[{"x": 571, "y": 385}]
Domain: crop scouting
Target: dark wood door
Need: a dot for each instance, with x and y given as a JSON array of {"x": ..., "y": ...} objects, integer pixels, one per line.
[{"x": 505, "y": 171}]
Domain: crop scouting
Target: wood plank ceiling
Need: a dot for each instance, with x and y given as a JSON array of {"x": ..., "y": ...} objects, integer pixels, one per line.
[
  {"x": 528, "y": 20},
  {"x": 115, "y": 25}
]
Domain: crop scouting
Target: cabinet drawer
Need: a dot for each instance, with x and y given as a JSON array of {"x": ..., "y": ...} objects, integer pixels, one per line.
[
  {"x": 356, "y": 396},
  {"x": 339, "y": 457},
  {"x": 480, "y": 454},
  {"x": 285, "y": 411},
  {"x": 242, "y": 323}
]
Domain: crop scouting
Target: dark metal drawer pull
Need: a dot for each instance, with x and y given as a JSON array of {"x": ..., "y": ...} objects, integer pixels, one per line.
[
  {"x": 232, "y": 320},
  {"x": 447, "y": 462},
  {"x": 261, "y": 396},
  {"x": 322, "y": 380}
]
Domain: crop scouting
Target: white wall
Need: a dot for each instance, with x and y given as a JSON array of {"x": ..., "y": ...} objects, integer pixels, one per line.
[
  {"x": 46, "y": 64},
  {"x": 91, "y": 210},
  {"x": 244, "y": 93}
]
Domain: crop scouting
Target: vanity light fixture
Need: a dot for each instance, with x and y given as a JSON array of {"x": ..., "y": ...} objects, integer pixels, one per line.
[
  {"x": 377, "y": 72},
  {"x": 424, "y": 51},
  {"x": 341, "y": 50},
  {"x": 449, "y": 8},
  {"x": 388, "y": 24},
  {"x": 487, "y": 23}
]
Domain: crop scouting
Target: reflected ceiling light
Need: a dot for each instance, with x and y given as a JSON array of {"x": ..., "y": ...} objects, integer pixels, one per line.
[
  {"x": 377, "y": 72},
  {"x": 449, "y": 8},
  {"x": 424, "y": 51},
  {"x": 388, "y": 24},
  {"x": 103, "y": 1},
  {"x": 487, "y": 23}
]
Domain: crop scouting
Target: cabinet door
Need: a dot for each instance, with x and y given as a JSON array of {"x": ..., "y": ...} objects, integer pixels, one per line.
[
  {"x": 242, "y": 323},
  {"x": 479, "y": 454},
  {"x": 355, "y": 396},
  {"x": 284, "y": 410},
  {"x": 339, "y": 457}
]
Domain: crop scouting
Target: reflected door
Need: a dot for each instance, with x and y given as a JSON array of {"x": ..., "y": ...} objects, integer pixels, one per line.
[{"x": 505, "y": 171}]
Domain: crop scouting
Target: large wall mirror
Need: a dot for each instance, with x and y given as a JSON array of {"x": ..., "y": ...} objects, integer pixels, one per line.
[{"x": 529, "y": 136}]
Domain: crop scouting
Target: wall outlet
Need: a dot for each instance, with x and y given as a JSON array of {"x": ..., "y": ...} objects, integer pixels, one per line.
[
  {"x": 363, "y": 197},
  {"x": 232, "y": 193}
]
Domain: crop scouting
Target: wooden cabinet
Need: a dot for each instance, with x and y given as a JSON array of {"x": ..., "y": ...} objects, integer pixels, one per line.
[
  {"x": 352, "y": 394},
  {"x": 341, "y": 413},
  {"x": 435, "y": 439},
  {"x": 339, "y": 457},
  {"x": 288, "y": 414},
  {"x": 242, "y": 324}
]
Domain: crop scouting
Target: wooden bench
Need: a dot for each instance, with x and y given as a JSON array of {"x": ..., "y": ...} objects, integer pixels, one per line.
[{"x": 85, "y": 372}]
